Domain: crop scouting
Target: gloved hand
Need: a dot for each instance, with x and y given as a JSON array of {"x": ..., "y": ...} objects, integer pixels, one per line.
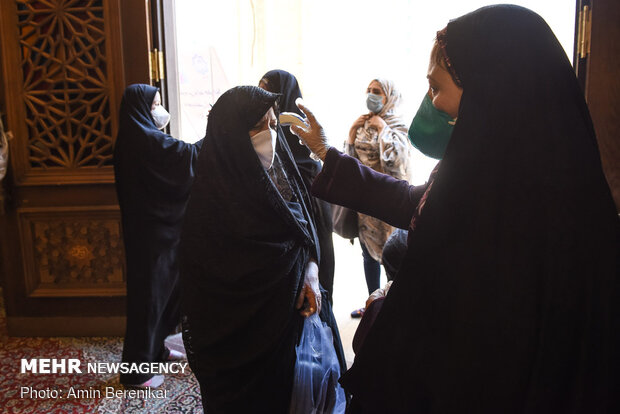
[
  {"x": 310, "y": 293},
  {"x": 313, "y": 136}
]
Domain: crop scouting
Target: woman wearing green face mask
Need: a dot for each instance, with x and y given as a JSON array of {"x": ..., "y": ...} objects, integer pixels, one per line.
[
  {"x": 378, "y": 139},
  {"x": 508, "y": 298}
]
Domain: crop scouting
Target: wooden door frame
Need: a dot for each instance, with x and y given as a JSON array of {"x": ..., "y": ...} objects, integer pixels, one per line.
[
  {"x": 602, "y": 87},
  {"x": 135, "y": 18}
]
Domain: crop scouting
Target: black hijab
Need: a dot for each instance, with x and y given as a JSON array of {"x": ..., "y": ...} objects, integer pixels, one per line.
[
  {"x": 507, "y": 297},
  {"x": 153, "y": 175},
  {"x": 244, "y": 250},
  {"x": 153, "y": 170},
  {"x": 285, "y": 83}
]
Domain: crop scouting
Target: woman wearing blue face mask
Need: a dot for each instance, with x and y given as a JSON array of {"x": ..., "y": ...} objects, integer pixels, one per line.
[
  {"x": 378, "y": 140},
  {"x": 508, "y": 298}
]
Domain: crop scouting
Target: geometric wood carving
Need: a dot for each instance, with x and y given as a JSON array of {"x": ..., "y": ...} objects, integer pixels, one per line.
[
  {"x": 66, "y": 86},
  {"x": 72, "y": 251}
]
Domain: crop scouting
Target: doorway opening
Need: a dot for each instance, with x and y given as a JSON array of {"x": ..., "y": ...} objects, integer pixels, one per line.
[{"x": 334, "y": 49}]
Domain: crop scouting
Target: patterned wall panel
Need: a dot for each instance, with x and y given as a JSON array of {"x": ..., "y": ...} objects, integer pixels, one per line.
[
  {"x": 72, "y": 251},
  {"x": 67, "y": 83}
]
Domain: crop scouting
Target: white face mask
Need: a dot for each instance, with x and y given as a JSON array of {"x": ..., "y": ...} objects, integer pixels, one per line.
[
  {"x": 265, "y": 145},
  {"x": 160, "y": 116}
]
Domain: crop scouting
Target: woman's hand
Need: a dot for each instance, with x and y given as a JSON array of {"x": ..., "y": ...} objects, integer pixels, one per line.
[
  {"x": 377, "y": 123},
  {"x": 313, "y": 136},
  {"x": 379, "y": 293},
  {"x": 359, "y": 122},
  {"x": 310, "y": 293}
]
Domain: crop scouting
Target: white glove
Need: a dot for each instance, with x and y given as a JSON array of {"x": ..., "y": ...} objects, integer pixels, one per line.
[{"x": 313, "y": 136}]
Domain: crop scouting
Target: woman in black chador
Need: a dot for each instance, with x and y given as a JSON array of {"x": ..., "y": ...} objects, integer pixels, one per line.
[
  {"x": 249, "y": 259},
  {"x": 153, "y": 173},
  {"x": 285, "y": 83},
  {"x": 507, "y": 298}
]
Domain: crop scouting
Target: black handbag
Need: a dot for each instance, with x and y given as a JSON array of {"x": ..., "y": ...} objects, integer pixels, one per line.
[{"x": 345, "y": 222}]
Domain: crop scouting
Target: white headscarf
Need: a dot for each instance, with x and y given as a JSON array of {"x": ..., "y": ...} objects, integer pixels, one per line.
[{"x": 391, "y": 103}]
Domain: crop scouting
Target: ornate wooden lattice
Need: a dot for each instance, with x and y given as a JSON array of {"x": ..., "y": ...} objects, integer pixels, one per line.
[{"x": 66, "y": 87}]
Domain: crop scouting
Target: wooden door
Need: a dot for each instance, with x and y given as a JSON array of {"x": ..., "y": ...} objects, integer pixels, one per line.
[
  {"x": 63, "y": 73},
  {"x": 599, "y": 71}
]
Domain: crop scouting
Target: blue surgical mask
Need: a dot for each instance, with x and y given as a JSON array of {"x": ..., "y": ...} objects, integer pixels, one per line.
[
  {"x": 431, "y": 129},
  {"x": 374, "y": 103}
]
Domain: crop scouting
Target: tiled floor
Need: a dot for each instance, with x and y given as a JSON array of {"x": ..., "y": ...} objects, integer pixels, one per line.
[{"x": 350, "y": 290}]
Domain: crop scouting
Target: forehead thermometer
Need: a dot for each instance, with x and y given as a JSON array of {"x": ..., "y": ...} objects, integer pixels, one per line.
[{"x": 291, "y": 118}]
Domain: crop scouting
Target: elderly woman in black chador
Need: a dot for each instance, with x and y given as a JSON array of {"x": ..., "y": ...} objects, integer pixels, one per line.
[
  {"x": 285, "y": 83},
  {"x": 249, "y": 264},
  {"x": 153, "y": 173},
  {"x": 507, "y": 298}
]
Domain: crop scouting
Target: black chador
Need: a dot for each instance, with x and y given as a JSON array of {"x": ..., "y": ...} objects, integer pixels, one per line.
[
  {"x": 280, "y": 81},
  {"x": 247, "y": 238},
  {"x": 153, "y": 173}
]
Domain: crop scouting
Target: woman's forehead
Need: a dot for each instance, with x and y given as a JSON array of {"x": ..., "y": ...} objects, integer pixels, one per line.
[
  {"x": 375, "y": 85},
  {"x": 437, "y": 73},
  {"x": 269, "y": 115}
]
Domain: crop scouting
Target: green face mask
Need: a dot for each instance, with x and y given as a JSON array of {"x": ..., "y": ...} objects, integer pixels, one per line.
[{"x": 431, "y": 129}]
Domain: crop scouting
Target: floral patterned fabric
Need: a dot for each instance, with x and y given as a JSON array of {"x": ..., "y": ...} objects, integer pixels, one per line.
[{"x": 388, "y": 152}]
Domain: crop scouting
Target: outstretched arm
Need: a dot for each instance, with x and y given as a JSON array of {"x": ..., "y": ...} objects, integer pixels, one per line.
[{"x": 345, "y": 181}]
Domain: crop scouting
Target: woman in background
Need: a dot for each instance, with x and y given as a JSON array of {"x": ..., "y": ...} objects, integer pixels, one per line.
[
  {"x": 285, "y": 83},
  {"x": 153, "y": 174},
  {"x": 379, "y": 140}
]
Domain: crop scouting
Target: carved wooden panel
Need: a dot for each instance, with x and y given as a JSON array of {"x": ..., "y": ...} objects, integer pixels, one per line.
[
  {"x": 72, "y": 251},
  {"x": 61, "y": 79},
  {"x": 64, "y": 69},
  {"x": 66, "y": 80}
]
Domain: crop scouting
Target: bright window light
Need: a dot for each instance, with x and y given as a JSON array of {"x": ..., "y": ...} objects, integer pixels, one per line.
[{"x": 334, "y": 48}]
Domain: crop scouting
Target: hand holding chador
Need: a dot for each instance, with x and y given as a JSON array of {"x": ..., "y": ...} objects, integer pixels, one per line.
[{"x": 310, "y": 292}]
